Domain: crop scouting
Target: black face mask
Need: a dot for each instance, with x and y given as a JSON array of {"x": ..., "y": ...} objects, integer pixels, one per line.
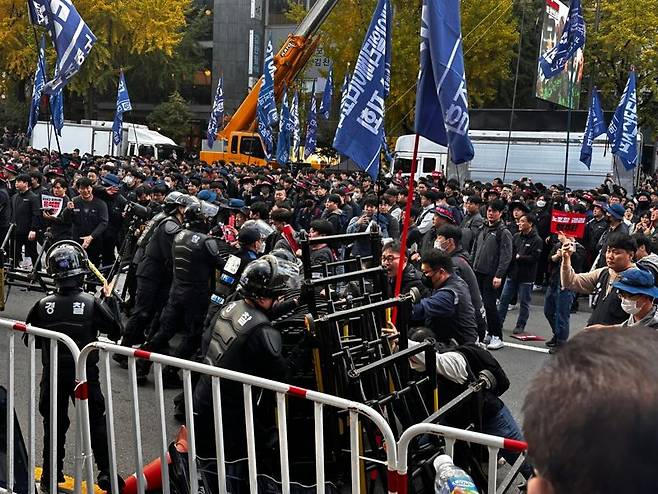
[{"x": 426, "y": 281}]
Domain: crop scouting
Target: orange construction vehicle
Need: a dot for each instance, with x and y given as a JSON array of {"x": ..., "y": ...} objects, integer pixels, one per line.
[{"x": 238, "y": 142}]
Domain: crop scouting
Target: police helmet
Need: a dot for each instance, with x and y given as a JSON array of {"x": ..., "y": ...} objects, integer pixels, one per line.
[
  {"x": 66, "y": 259},
  {"x": 174, "y": 200},
  {"x": 269, "y": 277},
  {"x": 285, "y": 255}
]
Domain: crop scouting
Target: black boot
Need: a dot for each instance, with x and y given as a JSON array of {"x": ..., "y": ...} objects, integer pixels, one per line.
[{"x": 105, "y": 484}]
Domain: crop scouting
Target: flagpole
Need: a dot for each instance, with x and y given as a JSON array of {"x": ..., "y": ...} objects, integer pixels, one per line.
[
  {"x": 405, "y": 225},
  {"x": 566, "y": 157}
]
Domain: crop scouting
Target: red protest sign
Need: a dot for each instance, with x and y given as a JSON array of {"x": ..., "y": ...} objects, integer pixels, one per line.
[{"x": 571, "y": 224}]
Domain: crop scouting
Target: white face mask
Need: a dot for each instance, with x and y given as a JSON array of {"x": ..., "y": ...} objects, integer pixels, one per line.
[
  {"x": 629, "y": 306},
  {"x": 541, "y": 204}
]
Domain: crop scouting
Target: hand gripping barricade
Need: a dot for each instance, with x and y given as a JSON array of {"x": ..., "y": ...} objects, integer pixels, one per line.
[
  {"x": 451, "y": 435},
  {"x": 30, "y": 334},
  {"x": 283, "y": 392}
]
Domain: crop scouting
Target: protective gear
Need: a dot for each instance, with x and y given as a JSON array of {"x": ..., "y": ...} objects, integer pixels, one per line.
[
  {"x": 426, "y": 281},
  {"x": 630, "y": 306},
  {"x": 65, "y": 260},
  {"x": 269, "y": 277},
  {"x": 285, "y": 255},
  {"x": 175, "y": 200},
  {"x": 195, "y": 254},
  {"x": 198, "y": 214}
]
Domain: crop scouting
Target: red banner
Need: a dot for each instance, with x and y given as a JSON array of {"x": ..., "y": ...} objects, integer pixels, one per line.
[{"x": 571, "y": 224}]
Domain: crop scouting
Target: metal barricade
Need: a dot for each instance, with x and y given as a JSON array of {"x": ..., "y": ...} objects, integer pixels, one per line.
[
  {"x": 451, "y": 435},
  {"x": 354, "y": 411},
  {"x": 31, "y": 333}
]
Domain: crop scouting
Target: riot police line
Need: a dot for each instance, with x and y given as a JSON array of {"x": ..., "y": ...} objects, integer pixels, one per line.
[{"x": 257, "y": 324}]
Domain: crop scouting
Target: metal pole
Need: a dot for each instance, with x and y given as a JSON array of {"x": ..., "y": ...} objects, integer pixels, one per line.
[
  {"x": 566, "y": 156},
  {"x": 516, "y": 81}
]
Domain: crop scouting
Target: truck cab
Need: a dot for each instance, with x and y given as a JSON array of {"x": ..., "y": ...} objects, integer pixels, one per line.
[
  {"x": 432, "y": 157},
  {"x": 239, "y": 148}
]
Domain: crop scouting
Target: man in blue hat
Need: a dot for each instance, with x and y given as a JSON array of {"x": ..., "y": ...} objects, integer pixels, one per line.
[{"x": 615, "y": 218}]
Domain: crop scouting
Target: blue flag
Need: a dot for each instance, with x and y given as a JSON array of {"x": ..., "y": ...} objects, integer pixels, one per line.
[
  {"x": 343, "y": 90},
  {"x": 325, "y": 105},
  {"x": 361, "y": 127},
  {"x": 265, "y": 131},
  {"x": 216, "y": 114},
  {"x": 123, "y": 105},
  {"x": 311, "y": 126},
  {"x": 294, "y": 124},
  {"x": 441, "y": 97},
  {"x": 283, "y": 143},
  {"x": 594, "y": 128},
  {"x": 266, "y": 100},
  {"x": 70, "y": 35},
  {"x": 622, "y": 131},
  {"x": 57, "y": 109},
  {"x": 37, "y": 88},
  {"x": 572, "y": 38}
]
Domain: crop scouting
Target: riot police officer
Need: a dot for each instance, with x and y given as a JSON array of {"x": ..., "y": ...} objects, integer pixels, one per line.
[
  {"x": 155, "y": 270},
  {"x": 195, "y": 256},
  {"x": 244, "y": 340},
  {"x": 81, "y": 316}
]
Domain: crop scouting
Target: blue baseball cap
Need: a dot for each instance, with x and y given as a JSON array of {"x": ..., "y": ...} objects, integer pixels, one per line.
[
  {"x": 615, "y": 210},
  {"x": 207, "y": 195},
  {"x": 637, "y": 282},
  {"x": 111, "y": 180}
]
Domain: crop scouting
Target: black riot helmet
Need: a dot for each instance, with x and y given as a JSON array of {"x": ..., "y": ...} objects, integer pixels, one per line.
[
  {"x": 66, "y": 262},
  {"x": 174, "y": 200},
  {"x": 269, "y": 277}
]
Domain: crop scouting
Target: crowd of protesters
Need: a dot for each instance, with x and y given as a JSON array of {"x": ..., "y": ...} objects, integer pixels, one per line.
[{"x": 499, "y": 233}]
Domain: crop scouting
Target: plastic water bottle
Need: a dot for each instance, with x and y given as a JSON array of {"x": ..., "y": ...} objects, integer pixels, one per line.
[{"x": 451, "y": 479}]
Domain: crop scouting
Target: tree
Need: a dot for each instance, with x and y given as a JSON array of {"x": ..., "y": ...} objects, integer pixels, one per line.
[
  {"x": 489, "y": 32},
  {"x": 172, "y": 117}
]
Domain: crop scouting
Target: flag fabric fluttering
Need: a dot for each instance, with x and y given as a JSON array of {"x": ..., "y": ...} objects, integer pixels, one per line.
[
  {"x": 37, "y": 88},
  {"x": 265, "y": 131},
  {"x": 441, "y": 96},
  {"x": 343, "y": 90},
  {"x": 123, "y": 105},
  {"x": 216, "y": 114},
  {"x": 311, "y": 126},
  {"x": 594, "y": 128},
  {"x": 266, "y": 98},
  {"x": 325, "y": 105},
  {"x": 57, "y": 109},
  {"x": 70, "y": 35},
  {"x": 294, "y": 124},
  {"x": 572, "y": 38},
  {"x": 283, "y": 143},
  {"x": 622, "y": 131},
  {"x": 360, "y": 130}
]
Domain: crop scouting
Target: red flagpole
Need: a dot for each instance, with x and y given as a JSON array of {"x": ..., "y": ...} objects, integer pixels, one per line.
[{"x": 405, "y": 226}]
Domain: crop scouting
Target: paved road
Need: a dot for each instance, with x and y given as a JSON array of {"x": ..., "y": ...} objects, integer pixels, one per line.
[{"x": 520, "y": 365}]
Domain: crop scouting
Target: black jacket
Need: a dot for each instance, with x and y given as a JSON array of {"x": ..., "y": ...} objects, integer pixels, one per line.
[
  {"x": 87, "y": 218},
  {"x": 492, "y": 250},
  {"x": 525, "y": 256},
  {"x": 26, "y": 212},
  {"x": 411, "y": 278}
]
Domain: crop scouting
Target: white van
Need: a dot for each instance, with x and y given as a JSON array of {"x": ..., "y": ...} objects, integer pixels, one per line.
[{"x": 431, "y": 156}]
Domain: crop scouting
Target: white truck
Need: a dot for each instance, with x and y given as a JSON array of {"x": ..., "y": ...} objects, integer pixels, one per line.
[
  {"x": 95, "y": 137},
  {"x": 537, "y": 155}
]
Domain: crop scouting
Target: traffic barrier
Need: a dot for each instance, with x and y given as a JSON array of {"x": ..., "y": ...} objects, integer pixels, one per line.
[
  {"x": 30, "y": 333},
  {"x": 354, "y": 410},
  {"x": 451, "y": 435}
]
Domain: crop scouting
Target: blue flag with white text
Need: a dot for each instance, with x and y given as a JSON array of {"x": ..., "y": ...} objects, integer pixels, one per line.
[
  {"x": 572, "y": 38},
  {"x": 441, "y": 96},
  {"x": 311, "y": 126},
  {"x": 283, "y": 143},
  {"x": 70, "y": 35},
  {"x": 622, "y": 131},
  {"x": 265, "y": 131},
  {"x": 37, "y": 88},
  {"x": 325, "y": 105},
  {"x": 266, "y": 99},
  {"x": 360, "y": 130},
  {"x": 123, "y": 105},
  {"x": 294, "y": 124},
  {"x": 216, "y": 114},
  {"x": 594, "y": 128}
]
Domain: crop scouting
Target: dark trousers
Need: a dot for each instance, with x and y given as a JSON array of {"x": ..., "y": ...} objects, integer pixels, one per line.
[
  {"x": 150, "y": 299},
  {"x": 489, "y": 296},
  {"x": 21, "y": 240},
  {"x": 65, "y": 389},
  {"x": 187, "y": 304}
]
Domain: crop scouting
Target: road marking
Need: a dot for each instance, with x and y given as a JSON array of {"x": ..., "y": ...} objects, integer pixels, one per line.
[{"x": 526, "y": 347}]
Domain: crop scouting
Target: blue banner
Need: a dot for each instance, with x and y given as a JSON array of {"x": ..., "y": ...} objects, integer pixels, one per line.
[
  {"x": 266, "y": 99},
  {"x": 573, "y": 37},
  {"x": 361, "y": 127},
  {"x": 441, "y": 97},
  {"x": 311, "y": 126},
  {"x": 70, "y": 35},
  {"x": 57, "y": 109},
  {"x": 216, "y": 114},
  {"x": 283, "y": 143},
  {"x": 294, "y": 124},
  {"x": 265, "y": 132},
  {"x": 123, "y": 105},
  {"x": 594, "y": 128},
  {"x": 622, "y": 131},
  {"x": 343, "y": 90},
  {"x": 37, "y": 88},
  {"x": 325, "y": 105}
]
